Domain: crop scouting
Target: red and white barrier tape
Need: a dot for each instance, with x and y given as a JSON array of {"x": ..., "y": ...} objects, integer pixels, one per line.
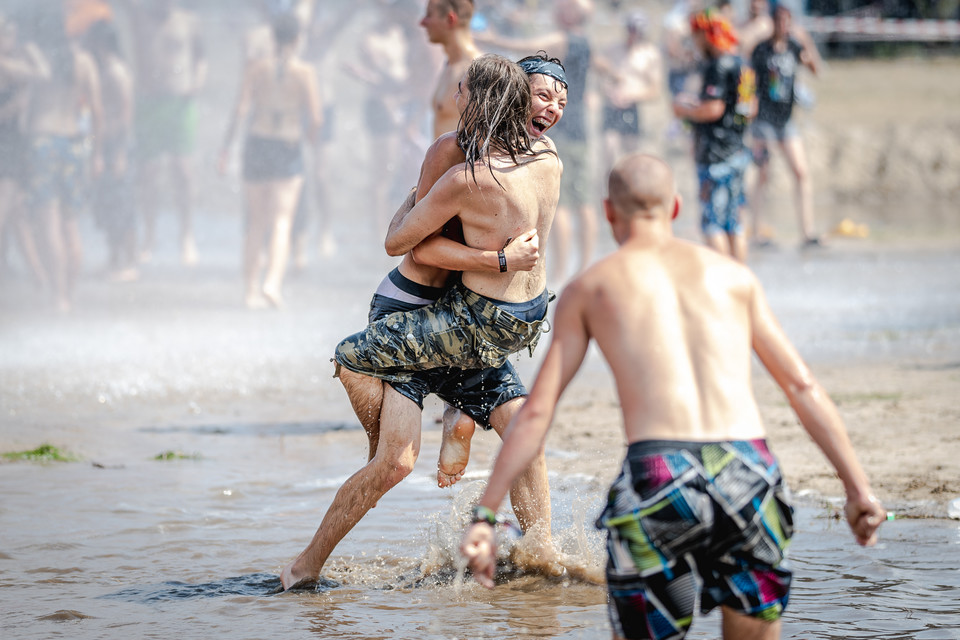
[{"x": 867, "y": 28}]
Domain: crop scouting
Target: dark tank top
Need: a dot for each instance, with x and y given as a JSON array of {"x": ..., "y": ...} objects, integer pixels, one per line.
[{"x": 573, "y": 126}]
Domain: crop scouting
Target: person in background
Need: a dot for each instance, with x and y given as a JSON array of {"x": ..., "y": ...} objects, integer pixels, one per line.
[
  {"x": 720, "y": 115},
  {"x": 777, "y": 63},
  {"x": 279, "y": 94},
  {"x": 114, "y": 201},
  {"x": 57, "y": 154},
  {"x": 171, "y": 71},
  {"x": 21, "y": 63},
  {"x": 570, "y": 43},
  {"x": 631, "y": 73}
]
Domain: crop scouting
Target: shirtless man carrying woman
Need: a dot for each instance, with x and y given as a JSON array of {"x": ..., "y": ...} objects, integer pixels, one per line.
[
  {"x": 502, "y": 165},
  {"x": 278, "y": 94},
  {"x": 426, "y": 270}
]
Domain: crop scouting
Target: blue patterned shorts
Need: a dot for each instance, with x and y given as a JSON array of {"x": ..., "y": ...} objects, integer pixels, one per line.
[
  {"x": 722, "y": 194},
  {"x": 689, "y": 519}
]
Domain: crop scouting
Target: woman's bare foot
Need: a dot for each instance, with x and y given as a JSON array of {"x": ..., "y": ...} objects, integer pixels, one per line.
[
  {"x": 256, "y": 301},
  {"x": 273, "y": 296},
  {"x": 458, "y": 430}
]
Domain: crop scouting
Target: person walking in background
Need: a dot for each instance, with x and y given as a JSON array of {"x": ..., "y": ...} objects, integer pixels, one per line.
[
  {"x": 680, "y": 60},
  {"x": 720, "y": 115},
  {"x": 777, "y": 63},
  {"x": 21, "y": 63},
  {"x": 278, "y": 94},
  {"x": 700, "y": 512},
  {"x": 171, "y": 71},
  {"x": 447, "y": 23},
  {"x": 114, "y": 201},
  {"x": 569, "y": 42},
  {"x": 631, "y": 73},
  {"x": 503, "y": 168},
  {"x": 57, "y": 156}
]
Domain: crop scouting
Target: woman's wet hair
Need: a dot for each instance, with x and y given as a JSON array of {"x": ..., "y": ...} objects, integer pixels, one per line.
[{"x": 494, "y": 119}]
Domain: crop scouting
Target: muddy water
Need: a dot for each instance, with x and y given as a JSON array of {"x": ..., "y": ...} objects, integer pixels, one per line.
[
  {"x": 119, "y": 544},
  {"x": 191, "y": 548}
]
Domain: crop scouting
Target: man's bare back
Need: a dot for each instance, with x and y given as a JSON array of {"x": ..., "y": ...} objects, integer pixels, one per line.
[{"x": 688, "y": 378}]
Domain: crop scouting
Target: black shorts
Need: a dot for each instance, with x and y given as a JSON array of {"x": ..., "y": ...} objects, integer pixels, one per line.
[{"x": 271, "y": 159}]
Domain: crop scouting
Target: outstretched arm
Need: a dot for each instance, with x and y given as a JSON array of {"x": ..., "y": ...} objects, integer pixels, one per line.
[
  {"x": 819, "y": 416},
  {"x": 526, "y": 433}
]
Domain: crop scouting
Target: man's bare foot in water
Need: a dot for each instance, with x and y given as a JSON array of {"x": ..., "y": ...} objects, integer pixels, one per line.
[
  {"x": 292, "y": 578},
  {"x": 458, "y": 430}
]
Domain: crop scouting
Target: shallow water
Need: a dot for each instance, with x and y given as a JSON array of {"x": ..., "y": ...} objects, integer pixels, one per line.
[
  {"x": 121, "y": 544},
  {"x": 182, "y": 548}
]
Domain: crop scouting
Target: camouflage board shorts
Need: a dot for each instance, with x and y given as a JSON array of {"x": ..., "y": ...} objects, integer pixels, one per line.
[
  {"x": 462, "y": 329},
  {"x": 476, "y": 392},
  {"x": 695, "y": 520}
]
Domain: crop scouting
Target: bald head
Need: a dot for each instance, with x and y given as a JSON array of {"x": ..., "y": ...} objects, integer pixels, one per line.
[{"x": 642, "y": 186}]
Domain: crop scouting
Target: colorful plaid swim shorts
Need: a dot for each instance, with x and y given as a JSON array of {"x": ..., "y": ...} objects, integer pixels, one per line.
[{"x": 695, "y": 519}]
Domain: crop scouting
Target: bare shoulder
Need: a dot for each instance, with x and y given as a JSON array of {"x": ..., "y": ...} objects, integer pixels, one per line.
[
  {"x": 443, "y": 154},
  {"x": 544, "y": 143}
]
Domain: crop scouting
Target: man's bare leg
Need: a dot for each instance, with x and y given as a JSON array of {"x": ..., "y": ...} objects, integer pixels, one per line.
[
  {"x": 366, "y": 398},
  {"x": 397, "y": 452},
  {"x": 741, "y": 627},
  {"x": 530, "y": 495},
  {"x": 458, "y": 429}
]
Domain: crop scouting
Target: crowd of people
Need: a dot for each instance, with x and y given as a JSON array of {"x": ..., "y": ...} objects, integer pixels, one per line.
[
  {"x": 102, "y": 100},
  {"x": 700, "y": 511}
]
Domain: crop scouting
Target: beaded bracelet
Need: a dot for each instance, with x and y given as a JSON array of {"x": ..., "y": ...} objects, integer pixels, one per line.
[{"x": 485, "y": 514}]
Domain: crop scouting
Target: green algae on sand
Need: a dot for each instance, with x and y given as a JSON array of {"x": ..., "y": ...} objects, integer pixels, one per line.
[{"x": 43, "y": 453}]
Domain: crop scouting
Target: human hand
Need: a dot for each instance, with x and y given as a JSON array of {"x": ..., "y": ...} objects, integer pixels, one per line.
[
  {"x": 479, "y": 547},
  {"x": 523, "y": 252},
  {"x": 865, "y": 515}
]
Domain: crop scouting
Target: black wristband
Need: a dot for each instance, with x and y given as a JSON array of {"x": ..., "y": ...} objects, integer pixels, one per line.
[{"x": 503, "y": 261}]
